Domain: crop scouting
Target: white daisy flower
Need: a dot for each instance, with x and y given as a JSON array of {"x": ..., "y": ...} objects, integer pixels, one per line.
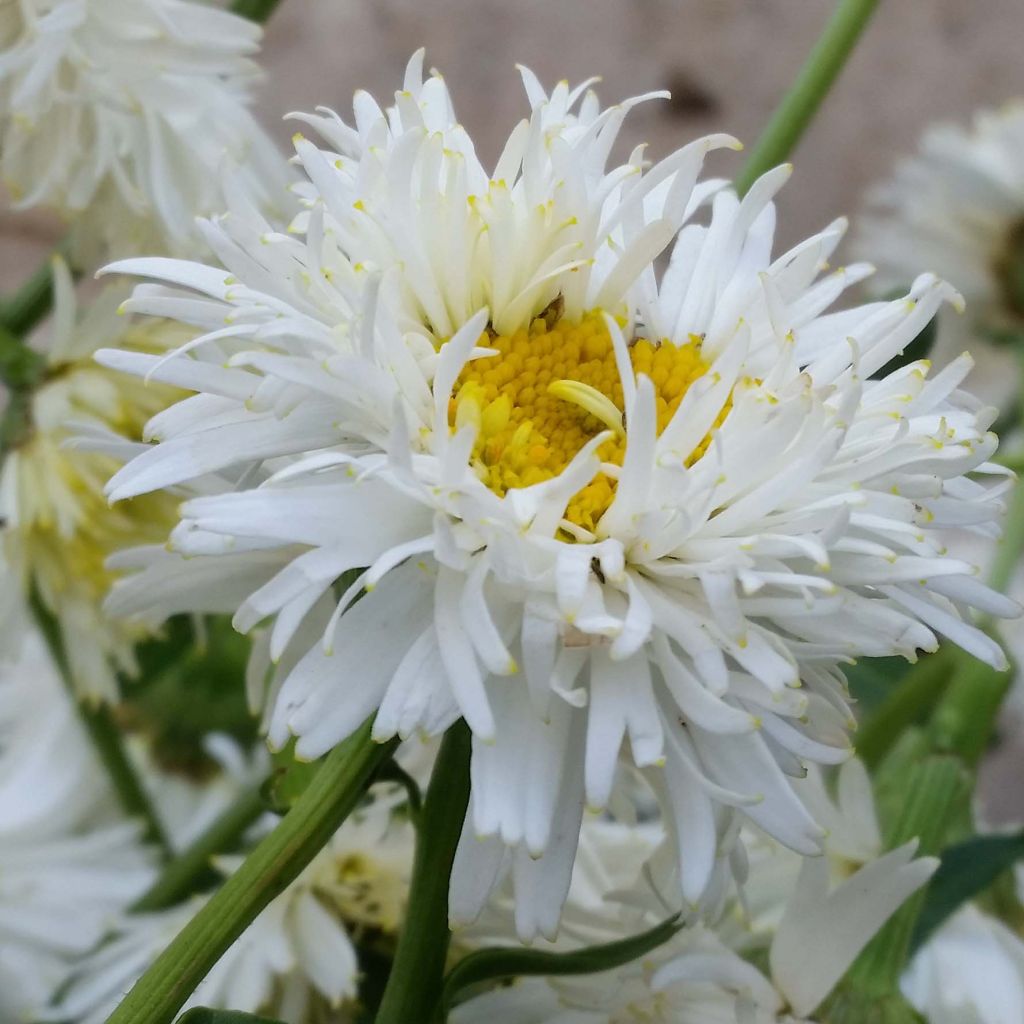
[
  {"x": 970, "y": 972},
  {"x": 58, "y": 529},
  {"x": 299, "y": 951},
  {"x": 957, "y": 206},
  {"x": 125, "y": 115},
  {"x": 696, "y": 978},
  {"x": 599, "y": 512},
  {"x": 68, "y": 865}
]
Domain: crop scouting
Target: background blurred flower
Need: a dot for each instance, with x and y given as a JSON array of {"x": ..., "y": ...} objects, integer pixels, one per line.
[
  {"x": 69, "y": 862},
  {"x": 58, "y": 529},
  {"x": 298, "y": 958},
  {"x": 127, "y": 114},
  {"x": 957, "y": 207}
]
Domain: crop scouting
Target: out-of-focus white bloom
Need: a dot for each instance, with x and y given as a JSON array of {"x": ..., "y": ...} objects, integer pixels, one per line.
[
  {"x": 602, "y": 510},
  {"x": 299, "y": 950},
  {"x": 696, "y": 978},
  {"x": 58, "y": 529},
  {"x": 970, "y": 972},
  {"x": 127, "y": 115},
  {"x": 957, "y": 207},
  {"x": 68, "y": 865}
]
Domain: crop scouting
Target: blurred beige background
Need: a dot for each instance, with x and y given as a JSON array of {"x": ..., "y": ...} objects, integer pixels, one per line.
[{"x": 727, "y": 62}]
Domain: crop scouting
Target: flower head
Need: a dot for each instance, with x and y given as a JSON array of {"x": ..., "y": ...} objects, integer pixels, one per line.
[
  {"x": 126, "y": 115},
  {"x": 602, "y": 513},
  {"x": 957, "y": 206},
  {"x": 58, "y": 529}
]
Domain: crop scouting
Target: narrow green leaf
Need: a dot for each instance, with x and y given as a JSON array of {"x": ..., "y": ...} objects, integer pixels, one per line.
[
  {"x": 204, "y": 1015},
  {"x": 966, "y": 870},
  {"x": 500, "y": 963}
]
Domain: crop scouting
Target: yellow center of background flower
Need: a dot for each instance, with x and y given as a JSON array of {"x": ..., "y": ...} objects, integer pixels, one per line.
[{"x": 532, "y": 416}]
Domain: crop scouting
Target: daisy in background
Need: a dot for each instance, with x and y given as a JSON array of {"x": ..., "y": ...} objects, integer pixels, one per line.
[
  {"x": 69, "y": 863},
  {"x": 703, "y": 975},
  {"x": 299, "y": 957},
  {"x": 125, "y": 116},
  {"x": 57, "y": 527},
  {"x": 957, "y": 207},
  {"x": 604, "y": 514}
]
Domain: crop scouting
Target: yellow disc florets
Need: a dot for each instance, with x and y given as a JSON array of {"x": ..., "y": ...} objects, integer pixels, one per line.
[{"x": 552, "y": 387}]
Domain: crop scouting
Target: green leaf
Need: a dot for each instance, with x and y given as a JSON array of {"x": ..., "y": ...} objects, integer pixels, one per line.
[
  {"x": 502, "y": 963},
  {"x": 966, "y": 870},
  {"x": 203, "y": 1015},
  {"x": 846, "y": 1007}
]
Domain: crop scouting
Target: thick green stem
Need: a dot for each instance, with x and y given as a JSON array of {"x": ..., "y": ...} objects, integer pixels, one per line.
[
  {"x": 800, "y": 104},
  {"x": 414, "y": 988},
  {"x": 191, "y": 871},
  {"x": 276, "y": 862},
  {"x": 255, "y": 10},
  {"x": 107, "y": 739}
]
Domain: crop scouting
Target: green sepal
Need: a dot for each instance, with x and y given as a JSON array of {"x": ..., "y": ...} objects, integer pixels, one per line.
[{"x": 496, "y": 964}]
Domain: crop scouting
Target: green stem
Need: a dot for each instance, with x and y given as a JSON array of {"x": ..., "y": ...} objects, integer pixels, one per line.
[
  {"x": 255, "y": 10},
  {"x": 414, "y": 988},
  {"x": 276, "y": 862},
  {"x": 20, "y": 366},
  {"x": 31, "y": 302},
  {"x": 191, "y": 871},
  {"x": 800, "y": 104},
  {"x": 106, "y": 737}
]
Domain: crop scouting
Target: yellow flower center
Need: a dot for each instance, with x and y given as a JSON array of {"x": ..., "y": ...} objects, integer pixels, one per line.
[{"x": 552, "y": 387}]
